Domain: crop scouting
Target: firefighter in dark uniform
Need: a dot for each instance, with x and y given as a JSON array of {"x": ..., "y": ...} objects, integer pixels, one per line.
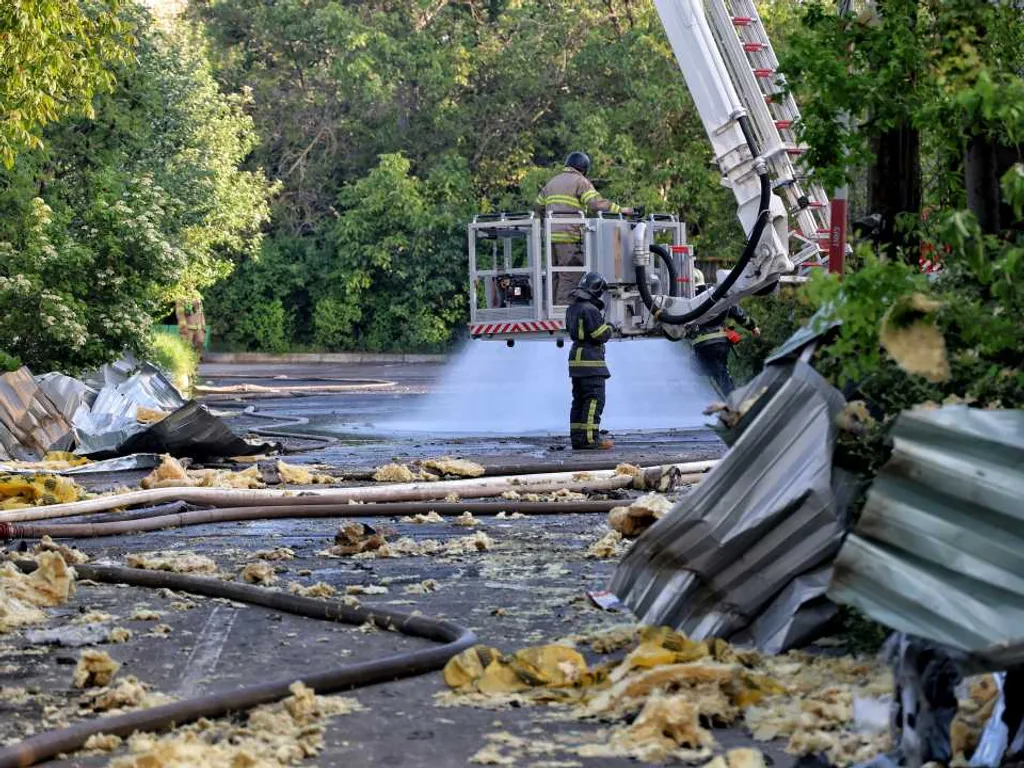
[
  {"x": 712, "y": 341},
  {"x": 585, "y": 324},
  {"x": 570, "y": 192}
]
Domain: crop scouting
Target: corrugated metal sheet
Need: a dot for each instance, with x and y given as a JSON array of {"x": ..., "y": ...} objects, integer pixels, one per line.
[
  {"x": 767, "y": 514},
  {"x": 30, "y": 425},
  {"x": 939, "y": 549}
]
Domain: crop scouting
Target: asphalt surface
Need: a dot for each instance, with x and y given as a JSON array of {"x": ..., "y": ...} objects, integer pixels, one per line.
[{"x": 530, "y": 588}]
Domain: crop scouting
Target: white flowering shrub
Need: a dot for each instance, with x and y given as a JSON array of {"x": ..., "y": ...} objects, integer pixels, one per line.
[{"x": 119, "y": 214}]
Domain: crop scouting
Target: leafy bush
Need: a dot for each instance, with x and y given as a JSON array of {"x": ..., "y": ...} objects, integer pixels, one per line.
[
  {"x": 124, "y": 211},
  {"x": 176, "y": 357},
  {"x": 8, "y": 363}
]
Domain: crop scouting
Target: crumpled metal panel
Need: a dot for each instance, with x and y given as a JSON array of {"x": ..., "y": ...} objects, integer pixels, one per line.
[
  {"x": 67, "y": 393},
  {"x": 120, "y": 464},
  {"x": 795, "y": 617},
  {"x": 938, "y": 551},
  {"x": 30, "y": 425},
  {"x": 770, "y": 511},
  {"x": 190, "y": 431},
  {"x": 112, "y": 418}
]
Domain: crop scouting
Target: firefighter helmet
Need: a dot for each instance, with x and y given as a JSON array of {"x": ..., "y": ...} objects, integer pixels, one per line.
[
  {"x": 593, "y": 284},
  {"x": 578, "y": 160}
]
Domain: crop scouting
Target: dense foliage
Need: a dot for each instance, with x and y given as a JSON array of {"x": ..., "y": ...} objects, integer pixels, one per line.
[
  {"x": 120, "y": 212},
  {"x": 391, "y": 124},
  {"x": 54, "y": 55}
]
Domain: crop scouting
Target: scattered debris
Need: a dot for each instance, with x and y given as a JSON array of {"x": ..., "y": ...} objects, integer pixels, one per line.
[
  {"x": 71, "y": 636},
  {"x": 293, "y": 474},
  {"x": 633, "y": 520},
  {"x": 102, "y": 742},
  {"x": 407, "y": 547},
  {"x": 175, "y": 562},
  {"x": 669, "y": 685},
  {"x": 71, "y": 555},
  {"x": 274, "y": 735},
  {"x": 94, "y": 617},
  {"x": 119, "y": 635},
  {"x": 911, "y": 337},
  {"x": 394, "y": 473},
  {"x": 421, "y": 588},
  {"x": 20, "y": 491},
  {"x": 258, "y": 573},
  {"x": 633, "y": 471},
  {"x": 353, "y": 538},
  {"x": 276, "y": 554},
  {"x": 420, "y": 519},
  {"x": 160, "y": 630},
  {"x": 454, "y": 467},
  {"x": 466, "y": 520},
  {"x": 605, "y": 600},
  {"x": 129, "y": 693},
  {"x": 22, "y": 596},
  {"x": 142, "y": 613},
  {"x": 604, "y": 548},
  {"x": 503, "y": 515},
  {"x": 95, "y": 669},
  {"x": 320, "y": 589},
  {"x": 365, "y": 589},
  {"x": 171, "y": 474}
]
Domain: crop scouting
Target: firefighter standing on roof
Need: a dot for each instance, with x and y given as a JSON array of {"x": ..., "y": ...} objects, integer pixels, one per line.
[
  {"x": 570, "y": 192},
  {"x": 587, "y": 369},
  {"x": 712, "y": 341}
]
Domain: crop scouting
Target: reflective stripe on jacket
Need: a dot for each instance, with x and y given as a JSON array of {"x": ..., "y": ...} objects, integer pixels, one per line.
[
  {"x": 713, "y": 332},
  {"x": 589, "y": 332},
  {"x": 570, "y": 192}
]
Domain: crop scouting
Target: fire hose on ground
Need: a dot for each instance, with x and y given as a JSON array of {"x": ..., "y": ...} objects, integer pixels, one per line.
[
  {"x": 604, "y": 480},
  {"x": 455, "y": 638},
  {"x": 162, "y": 520}
]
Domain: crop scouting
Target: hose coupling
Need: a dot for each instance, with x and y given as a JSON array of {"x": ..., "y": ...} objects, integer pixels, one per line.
[
  {"x": 760, "y": 166},
  {"x": 9, "y": 531},
  {"x": 641, "y": 253}
]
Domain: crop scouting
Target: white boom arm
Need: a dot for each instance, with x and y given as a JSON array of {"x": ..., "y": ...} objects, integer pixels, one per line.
[{"x": 724, "y": 82}]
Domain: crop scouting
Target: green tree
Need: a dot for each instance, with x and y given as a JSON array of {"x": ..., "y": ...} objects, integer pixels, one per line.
[
  {"x": 54, "y": 56},
  {"x": 119, "y": 213}
]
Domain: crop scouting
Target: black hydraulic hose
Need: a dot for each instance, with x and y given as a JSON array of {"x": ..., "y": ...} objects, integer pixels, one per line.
[
  {"x": 722, "y": 288},
  {"x": 388, "y": 668},
  {"x": 763, "y": 216},
  {"x": 673, "y": 275},
  {"x": 10, "y": 531}
]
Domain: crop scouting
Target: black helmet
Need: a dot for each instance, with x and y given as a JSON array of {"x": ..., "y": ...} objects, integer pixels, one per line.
[
  {"x": 578, "y": 160},
  {"x": 591, "y": 286},
  {"x": 593, "y": 283}
]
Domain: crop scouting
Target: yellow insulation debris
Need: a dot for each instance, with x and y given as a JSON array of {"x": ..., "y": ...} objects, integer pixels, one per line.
[
  {"x": 394, "y": 473},
  {"x": 294, "y": 474},
  {"x": 19, "y": 491},
  {"x": 446, "y": 465},
  {"x": 22, "y": 596},
  {"x": 274, "y": 735},
  {"x": 175, "y": 562},
  {"x": 95, "y": 669},
  {"x": 258, "y": 573},
  {"x": 171, "y": 474},
  {"x": 604, "y": 548},
  {"x": 633, "y": 520}
]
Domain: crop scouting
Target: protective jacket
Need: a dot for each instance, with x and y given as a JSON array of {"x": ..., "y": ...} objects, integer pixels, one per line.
[
  {"x": 713, "y": 331},
  {"x": 589, "y": 332},
  {"x": 570, "y": 192}
]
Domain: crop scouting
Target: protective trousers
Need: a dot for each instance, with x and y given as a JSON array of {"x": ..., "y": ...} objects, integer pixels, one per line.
[
  {"x": 587, "y": 406},
  {"x": 566, "y": 255},
  {"x": 714, "y": 361}
]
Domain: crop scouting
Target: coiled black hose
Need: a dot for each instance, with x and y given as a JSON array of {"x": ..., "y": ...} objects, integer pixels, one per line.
[
  {"x": 673, "y": 275},
  {"x": 394, "y": 667},
  {"x": 763, "y": 216}
]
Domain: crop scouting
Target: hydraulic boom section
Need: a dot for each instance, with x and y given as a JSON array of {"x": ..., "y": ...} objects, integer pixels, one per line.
[{"x": 731, "y": 71}]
